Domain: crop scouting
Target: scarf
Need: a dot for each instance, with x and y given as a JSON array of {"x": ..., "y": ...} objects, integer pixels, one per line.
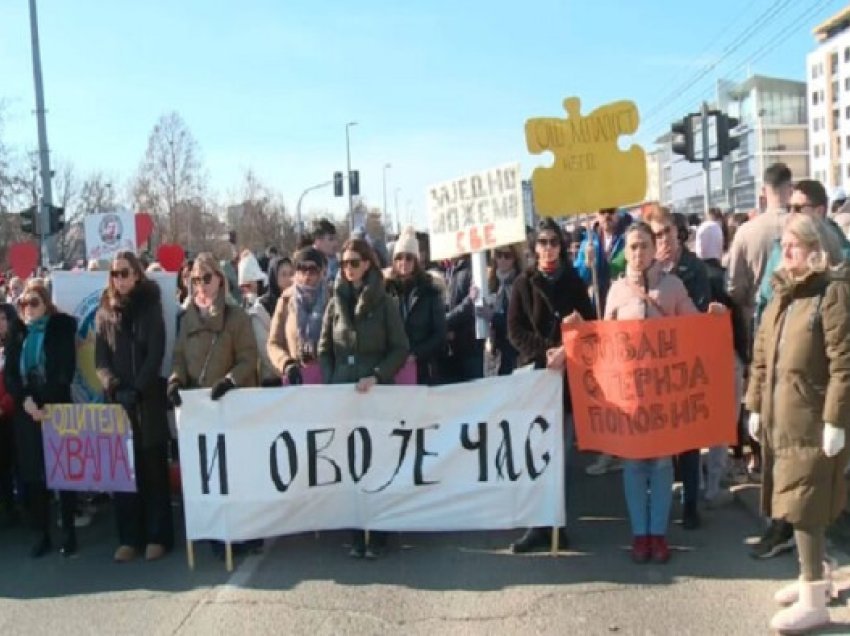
[
  {"x": 32, "y": 356},
  {"x": 503, "y": 294},
  {"x": 552, "y": 271},
  {"x": 310, "y": 305}
]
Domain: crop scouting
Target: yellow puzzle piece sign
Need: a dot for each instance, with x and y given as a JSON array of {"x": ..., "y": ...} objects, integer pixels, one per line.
[{"x": 589, "y": 172}]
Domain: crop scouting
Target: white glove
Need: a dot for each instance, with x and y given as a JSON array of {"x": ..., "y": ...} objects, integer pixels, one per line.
[
  {"x": 754, "y": 425},
  {"x": 833, "y": 440}
]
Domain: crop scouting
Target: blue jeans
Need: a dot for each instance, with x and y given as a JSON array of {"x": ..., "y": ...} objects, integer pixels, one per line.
[{"x": 649, "y": 513}]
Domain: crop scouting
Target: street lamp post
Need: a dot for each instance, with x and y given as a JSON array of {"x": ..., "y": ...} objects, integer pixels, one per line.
[
  {"x": 386, "y": 215},
  {"x": 397, "y": 217},
  {"x": 348, "y": 163}
]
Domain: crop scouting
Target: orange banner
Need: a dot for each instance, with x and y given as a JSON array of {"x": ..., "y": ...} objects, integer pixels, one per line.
[{"x": 652, "y": 388}]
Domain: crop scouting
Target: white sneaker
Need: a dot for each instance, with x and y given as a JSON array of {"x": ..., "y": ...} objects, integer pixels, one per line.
[{"x": 604, "y": 464}]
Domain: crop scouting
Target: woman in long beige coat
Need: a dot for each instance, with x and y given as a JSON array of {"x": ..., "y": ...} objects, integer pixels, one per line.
[{"x": 799, "y": 397}]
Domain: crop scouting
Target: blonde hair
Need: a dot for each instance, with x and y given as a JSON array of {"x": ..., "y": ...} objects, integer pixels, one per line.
[
  {"x": 819, "y": 238},
  {"x": 205, "y": 260}
]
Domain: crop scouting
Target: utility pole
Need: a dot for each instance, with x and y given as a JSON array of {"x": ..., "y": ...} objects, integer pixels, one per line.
[
  {"x": 348, "y": 163},
  {"x": 706, "y": 157},
  {"x": 43, "y": 151}
]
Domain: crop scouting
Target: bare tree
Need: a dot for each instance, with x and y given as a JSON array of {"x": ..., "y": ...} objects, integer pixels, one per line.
[
  {"x": 261, "y": 219},
  {"x": 170, "y": 173},
  {"x": 96, "y": 195}
]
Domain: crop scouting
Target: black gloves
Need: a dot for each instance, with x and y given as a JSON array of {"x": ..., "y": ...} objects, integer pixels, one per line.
[
  {"x": 173, "y": 394},
  {"x": 293, "y": 374},
  {"x": 221, "y": 387}
]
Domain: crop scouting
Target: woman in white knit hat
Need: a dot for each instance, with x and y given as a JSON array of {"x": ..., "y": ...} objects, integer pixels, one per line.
[{"x": 421, "y": 304}]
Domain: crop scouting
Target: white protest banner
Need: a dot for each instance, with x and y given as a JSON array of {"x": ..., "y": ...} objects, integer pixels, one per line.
[
  {"x": 476, "y": 213},
  {"x": 486, "y": 454},
  {"x": 78, "y": 294},
  {"x": 109, "y": 233}
]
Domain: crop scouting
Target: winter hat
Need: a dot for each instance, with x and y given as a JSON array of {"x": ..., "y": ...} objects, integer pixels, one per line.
[
  {"x": 249, "y": 269},
  {"x": 838, "y": 194},
  {"x": 407, "y": 243},
  {"x": 709, "y": 241}
]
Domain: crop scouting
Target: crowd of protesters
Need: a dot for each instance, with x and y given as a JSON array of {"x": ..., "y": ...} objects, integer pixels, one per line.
[{"x": 361, "y": 312}]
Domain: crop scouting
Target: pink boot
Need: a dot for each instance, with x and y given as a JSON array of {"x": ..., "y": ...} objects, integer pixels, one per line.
[
  {"x": 807, "y": 613},
  {"x": 791, "y": 592}
]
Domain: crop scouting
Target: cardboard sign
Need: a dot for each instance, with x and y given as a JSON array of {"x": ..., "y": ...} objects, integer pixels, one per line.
[
  {"x": 109, "y": 233},
  {"x": 144, "y": 228},
  {"x": 23, "y": 257},
  {"x": 88, "y": 447},
  {"x": 590, "y": 172},
  {"x": 651, "y": 388},
  {"x": 476, "y": 213}
]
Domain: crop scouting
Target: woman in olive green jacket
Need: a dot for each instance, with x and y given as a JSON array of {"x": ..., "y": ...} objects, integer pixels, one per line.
[
  {"x": 363, "y": 341},
  {"x": 799, "y": 397}
]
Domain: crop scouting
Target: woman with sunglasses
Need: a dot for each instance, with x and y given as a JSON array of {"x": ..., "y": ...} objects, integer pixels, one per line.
[
  {"x": 215, "y": 346},
  {"x": 505, "y": 268},
  {"x": 541, "y": 297},
  {"x": 421, "y": 304},
  {"x": 39, "y": 371},
  {"x": 129, "y": 348},
  {"x": 363, "y": 341},
  {"x": 296, "y": 324}
]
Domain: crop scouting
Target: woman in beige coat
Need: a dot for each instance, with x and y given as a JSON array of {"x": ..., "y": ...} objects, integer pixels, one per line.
[
  {"x": 799, "y": 397},
  {"x": 297, "y": 321}
]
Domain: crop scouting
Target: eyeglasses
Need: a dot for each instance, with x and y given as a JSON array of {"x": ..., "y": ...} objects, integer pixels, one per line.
[
  {"x": 548, "y": 242},
  {"x": 501, "y": 254},
  {"x": 205, "y": 279},
  {"x": 33, "y": 302},
  {"x": 353, "y": 263},
  {"x": 120, "y": 273},
  {"x": 306, "y": 268},
  {"x": 796, "y": 207},
  {"x": 662, "y": 233},
  {"x": 407, "y": 258}
]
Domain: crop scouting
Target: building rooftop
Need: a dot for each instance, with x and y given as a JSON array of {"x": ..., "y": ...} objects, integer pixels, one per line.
[
  {"x": 762, "y": 82},
  {"x": 832, "y": 26}
]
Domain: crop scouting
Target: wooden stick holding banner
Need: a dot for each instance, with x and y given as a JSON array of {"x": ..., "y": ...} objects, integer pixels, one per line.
[
  {"x": 594, "y": 272},
  {"x": 228, "y": 556},
  {"x": 479, "y": 280},
  {"x": 190, "y": 554},
  {"x": 555, "y": 538}
]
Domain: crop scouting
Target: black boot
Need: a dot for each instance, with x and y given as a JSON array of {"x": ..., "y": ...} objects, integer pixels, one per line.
[
  {"x": 69, "y": 544},
  {"x": 358, "y": 544},
  {"x": 539, "y": 540},
  {"x": 690, "y": 517}
]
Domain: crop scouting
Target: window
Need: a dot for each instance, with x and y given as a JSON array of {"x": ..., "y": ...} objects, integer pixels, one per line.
[
  {"x": 847, "y": 53},
  {"x": 848, "y": 169},
  {"x": 835, "y": 117},
  {"x": 814, "y": 98},
  {"x": 847, "y": 113},
  {"x": 833, "y": 63},
  {"x": 847, "y": 84},
  {"x": 835, "y": 91},
  {"x": 815, "y": 124},
  {"x": 817, "y": 151},
  {"x": 847, "y": 141},
  {"x": 836, "y": 174}
]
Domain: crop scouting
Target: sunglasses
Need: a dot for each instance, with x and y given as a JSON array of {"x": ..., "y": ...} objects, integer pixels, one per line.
[
  {"x": 307, "y": 269},
  {"x": 120, "y": 273},
  {"x": 549, "y": 242},
  {"x": 354, "y": 263},
  {"x": 796, "y": 207},
  {"x": 33, "y": 302},
  {"x": 662, "y": 233},
  {"x": 408, "y": 258},
  {"x": 500, "y": 254},
  {"x": 206, "y": 279}
]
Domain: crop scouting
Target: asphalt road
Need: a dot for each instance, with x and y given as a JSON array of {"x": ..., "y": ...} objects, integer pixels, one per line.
[{"x": 446, "y": 583}]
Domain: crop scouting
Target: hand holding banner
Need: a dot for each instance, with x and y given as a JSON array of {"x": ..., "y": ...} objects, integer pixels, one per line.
[{"x": 651, "y": 388}]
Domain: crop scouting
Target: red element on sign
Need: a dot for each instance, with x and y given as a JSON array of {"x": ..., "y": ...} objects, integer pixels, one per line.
[
  {"x": 23, "y": 257},
  {"x": 476, "y": 239},
  {"x": 170, "y": 256},
  {"x": 144, "y": 228}
]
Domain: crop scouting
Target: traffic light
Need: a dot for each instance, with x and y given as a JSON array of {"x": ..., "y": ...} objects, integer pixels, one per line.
[
  {"x": 29, "y": 220},
  {"x": 727, "y": 141},
  {"x": 354, "y": 183},
  {"x": 683, "y": 138},
  {"x": 56, "y": 222},
  {"x": 338, "y": 184}
]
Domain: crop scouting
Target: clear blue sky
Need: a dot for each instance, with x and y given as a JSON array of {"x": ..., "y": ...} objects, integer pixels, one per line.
[{"x": 439, "y": 89}]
